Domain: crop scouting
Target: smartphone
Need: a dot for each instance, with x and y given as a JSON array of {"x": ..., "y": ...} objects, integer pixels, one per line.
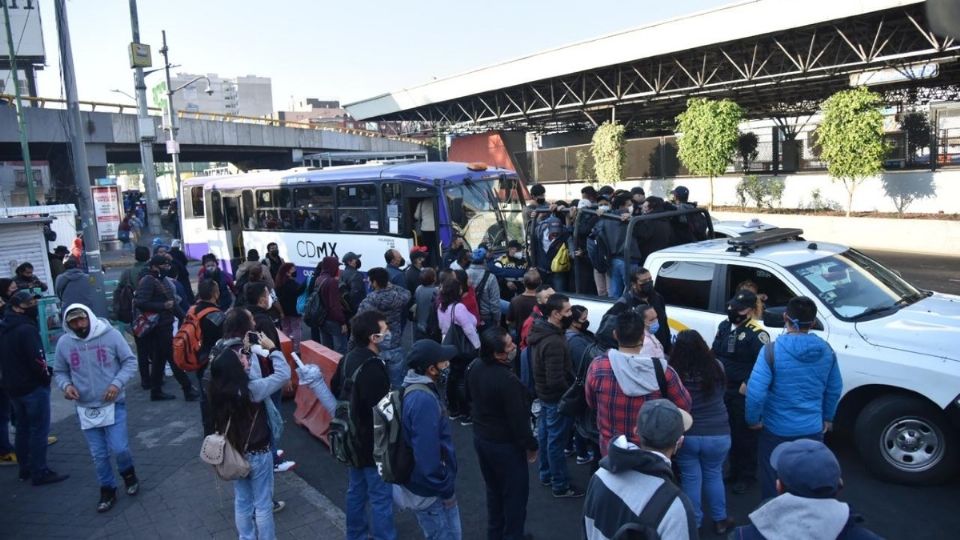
[
  {"x": 253, "y": 338},
  {"x": 296, "y": 358}
]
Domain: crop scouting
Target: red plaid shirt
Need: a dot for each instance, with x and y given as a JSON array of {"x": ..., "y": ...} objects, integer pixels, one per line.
[{"x": 617, "y": 412}]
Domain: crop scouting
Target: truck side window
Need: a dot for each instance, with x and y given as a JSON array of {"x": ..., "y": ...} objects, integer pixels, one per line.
[
  {"x": 686, "y": 284},
  {"x": 776, "y": 292}
]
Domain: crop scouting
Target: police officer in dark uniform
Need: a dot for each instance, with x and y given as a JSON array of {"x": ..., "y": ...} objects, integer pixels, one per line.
[{"x": 737, "y": 345}]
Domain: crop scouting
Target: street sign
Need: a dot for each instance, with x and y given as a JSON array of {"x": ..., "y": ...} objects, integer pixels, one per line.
[
  {"x": 173, "y": 147},
  {"x": 140, "y": 55}
]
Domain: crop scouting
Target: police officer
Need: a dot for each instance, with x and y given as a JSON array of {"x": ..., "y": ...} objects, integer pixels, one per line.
[{"x": 737, "y": 345}]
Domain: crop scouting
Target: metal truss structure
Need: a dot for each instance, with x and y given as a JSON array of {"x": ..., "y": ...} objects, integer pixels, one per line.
[{"x": 784, "y": 74}]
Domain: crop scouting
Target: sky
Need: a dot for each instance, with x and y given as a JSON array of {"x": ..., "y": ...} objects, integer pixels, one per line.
[{"x": 328, "y": 50}]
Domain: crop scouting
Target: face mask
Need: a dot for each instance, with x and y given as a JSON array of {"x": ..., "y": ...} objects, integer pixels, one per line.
[
  {"x": 269, "y": 301},
  {"x": 655, "y": 327},
  {"x": 566, "y": 322},
  {"x": 584, "y": 325},
  {"x": 735, "y": 316},
  {"x": 356, "y": 265},
  {"x": 646, "y": 288},
  {"x": 512, "y": 355},
  {"x": 83, "y": 332},
  {"x": 541, "y": 200},
  {"x": 402, "y": 262},
  {"x": 386, "y": 337},
  {"x": 163, "y": 272},
  {"x": 274, "y": 252},
  {"x": 212, "y": 270},
  {"x": 33, "y": 312},
  {"x": 443, "y": 376}
]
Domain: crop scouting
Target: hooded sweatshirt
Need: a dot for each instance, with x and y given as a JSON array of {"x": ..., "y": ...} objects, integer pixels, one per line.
[
  {"x": 619, "y": 384},
  {"x": 23, "y": 362},
  {"x": 623, "y": 491},
  {"x": 803, "y": 390},
  {"x": 329, "y": 289},
  {"x": 76, "y": 287},
  {"x": 789, "y": 517},
  {"x": 93, "y": 363},
  {"x": 427, "y": 431}
]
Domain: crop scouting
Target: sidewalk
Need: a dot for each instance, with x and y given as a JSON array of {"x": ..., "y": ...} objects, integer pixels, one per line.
[{"x": 180, "y": 496}]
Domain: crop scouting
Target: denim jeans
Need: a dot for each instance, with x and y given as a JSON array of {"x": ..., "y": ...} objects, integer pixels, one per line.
[
  {"x": 110, "y": 441},
  {"x": 440, "y": 523},
  {"x": 765, "y": 445},
  {"x": 396, "y": 366},
  {"x": 5, "y": 446},
  {"x": 553, "y": 432},
  {"x": 33, "y": 426},
  {"x": 253, "y": 499},
  {"x": 504, "y": 469},
  {"x": 617, "y": 277},
  {"x": 332, "y": 338},
  {"x": 366, "y": 485},
  {"x": 701, "y": 469}
]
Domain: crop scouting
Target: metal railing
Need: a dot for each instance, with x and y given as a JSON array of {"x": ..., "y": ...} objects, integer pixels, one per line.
[{"x": 92, "y": 106}]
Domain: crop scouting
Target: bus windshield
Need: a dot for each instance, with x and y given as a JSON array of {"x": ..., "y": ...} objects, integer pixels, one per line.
[{"x": 487, "y": 211}]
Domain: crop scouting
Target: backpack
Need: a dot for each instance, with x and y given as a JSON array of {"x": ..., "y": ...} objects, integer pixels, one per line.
[
  {"x": 391, "y": 453},
  {"x": 598, "y": 252},
  {"x": 189, "y": 339},
  {"x": 348, "y": 308},
  {"x": 645, "y": 525},
  {"x": 561, "y": 260},
  {"x": 315, "y": 312},
  {"x": 697, "y": 223},
  {"x": 433, "y": 322},
  {"x": 123, "y": 303},
  {"x": 342, "y": 435}
]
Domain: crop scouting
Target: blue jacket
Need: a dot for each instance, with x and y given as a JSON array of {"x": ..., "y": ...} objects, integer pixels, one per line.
[
  {"x": 805, "y": 391},
  {"x": 427, "y": 431}
]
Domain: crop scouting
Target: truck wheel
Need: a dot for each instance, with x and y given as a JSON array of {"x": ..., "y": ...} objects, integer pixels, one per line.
[{"x": 906, "y": 440}]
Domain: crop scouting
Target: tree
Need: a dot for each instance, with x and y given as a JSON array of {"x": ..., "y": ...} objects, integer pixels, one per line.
[
  {"x": 708, "y": 136},
  {"x": 609, "y": 157},
  {"x": 903, "y": 190},
  {"x": 851, "y": 138},
  {"x": 917, "y": 127},
  {"x": 584, "y": 166},
  {"x": 747, "y": 149}
]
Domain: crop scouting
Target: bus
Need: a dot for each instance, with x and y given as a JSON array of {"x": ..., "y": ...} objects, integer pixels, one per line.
[{"x": 366, "y": 209}]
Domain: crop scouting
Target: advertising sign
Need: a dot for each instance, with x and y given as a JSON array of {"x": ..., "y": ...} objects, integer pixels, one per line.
[
  {"x": 106, "y": 206},
  {"x": 27, "y": 32}
]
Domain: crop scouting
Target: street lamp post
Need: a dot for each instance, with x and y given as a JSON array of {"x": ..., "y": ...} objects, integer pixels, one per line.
[
  {"x": 146, "y": 133},
  {"x": 173, "y": 148}
]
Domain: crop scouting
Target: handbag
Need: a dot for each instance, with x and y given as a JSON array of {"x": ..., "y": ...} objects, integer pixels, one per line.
[
  {"x": 458, "y": 338},
  {"x": 144, "y": 322},
  {"x": 573, "y": 403},
  {"x": 97, "y": 417},
  {"x": 302, "y": 300},
  {"x": 229, "y": 464}
]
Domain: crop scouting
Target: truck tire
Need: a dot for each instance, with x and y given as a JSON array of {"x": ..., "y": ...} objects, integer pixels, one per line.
[{"x": 906, "y": 440}]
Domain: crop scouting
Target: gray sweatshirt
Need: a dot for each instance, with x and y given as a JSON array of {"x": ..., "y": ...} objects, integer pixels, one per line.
[{"x": 93, "y": 363}]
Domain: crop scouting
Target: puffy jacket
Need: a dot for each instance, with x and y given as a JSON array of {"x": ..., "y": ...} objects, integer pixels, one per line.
[
  {"x": 392, "y": 302},
  {"x": 613, "y": 233},
  {"x": 652, "y": 235},
  {"x": 23, "y": 362},
  {"x": 352, "y": 278},
  {"x": 552, "y": 367},
  {"x": 76, "y": 287},
  {"x": 151, "y": 295},
  {"x": 225, "y": 283},
  {"x": 804, "y": 390},
  {"x": 488, "y": 298}
]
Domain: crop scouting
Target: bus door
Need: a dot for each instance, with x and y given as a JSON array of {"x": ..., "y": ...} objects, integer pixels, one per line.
[
  {"x": 233, "y": 227},
  {"x": 420, "y": 208}
]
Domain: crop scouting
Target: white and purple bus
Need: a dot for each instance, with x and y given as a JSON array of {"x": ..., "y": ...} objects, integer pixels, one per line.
[{"x": 366, "y": 209}]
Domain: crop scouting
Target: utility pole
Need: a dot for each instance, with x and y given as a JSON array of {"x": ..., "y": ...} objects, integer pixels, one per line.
[
  {"x": 146, "y": 137},
  {"x": 81, "y": 174},
  {"x": 173, "y": 148},
  {"x": 21, "y": 121}
]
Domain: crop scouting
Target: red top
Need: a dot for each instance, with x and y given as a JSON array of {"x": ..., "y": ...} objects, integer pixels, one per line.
[
  {"x": 469, "y": 300},
  {"x": 527, "y": 325}
]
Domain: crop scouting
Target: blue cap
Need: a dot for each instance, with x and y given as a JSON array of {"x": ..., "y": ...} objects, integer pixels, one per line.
[
  {"x": 479, "y": 255},
  {"x": 807, "y": 468}
]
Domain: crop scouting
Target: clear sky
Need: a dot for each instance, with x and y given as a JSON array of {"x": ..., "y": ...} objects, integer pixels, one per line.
[{"x": 330, "y": 50}]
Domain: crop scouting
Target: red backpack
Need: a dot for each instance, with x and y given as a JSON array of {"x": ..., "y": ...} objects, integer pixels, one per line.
[{"x": 189, "y": 338}]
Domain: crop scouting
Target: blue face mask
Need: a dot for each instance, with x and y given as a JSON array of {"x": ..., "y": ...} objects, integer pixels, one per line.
[{"x": 654, "y": 327}]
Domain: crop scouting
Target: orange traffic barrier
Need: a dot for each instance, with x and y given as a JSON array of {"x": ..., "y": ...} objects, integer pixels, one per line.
[
  {"x": 286, "y": 346},
  {"x": 310, "y": 413}
]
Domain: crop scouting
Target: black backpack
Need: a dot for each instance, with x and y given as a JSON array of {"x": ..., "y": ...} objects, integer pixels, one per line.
[
  {"x": 344, "y": 445},
  {"x": 123, "y": 303},
  {"x": 391, "y": 453},
  {"x": 315, "y": 312}
]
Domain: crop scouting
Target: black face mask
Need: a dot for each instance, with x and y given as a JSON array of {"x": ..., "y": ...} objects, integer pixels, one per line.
[
  {"x": 735, "y": 316},
  {"x": 646, "y": 288},
  {"x": 566, "y": 322},
  {"x": 584, "y": 325},
  {"x": 541, "y": 200},
  {"x": 402, "y": 262},
  {"x": 83, "y": 332}
]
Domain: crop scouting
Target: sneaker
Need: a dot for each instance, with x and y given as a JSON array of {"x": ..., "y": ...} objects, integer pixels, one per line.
[
  {"x": 567, "y": 452},
  {"x": 454, "y": 416},
  {"x": 131, "y": 481},
  {"x": 7, "y": 460},
  {"x": 278, "y": 506},
  {"x": 52, "y": 439},
  {"x": 49, "y": 477},
  {"x": 161, "y": 396},
  {"x": 279, "y": 453},
  {"x": 587, "y": 459},
  {"x": 466, "y": 420},
  {"x": 191, "y": 394},
  {"x": 721, "y": 527},
  {"x": 570, "y": 493},
  {"x": 108, "y": 497},
  {"x": 284, "y": 466},
  {"x": 546, "y": 483},
  {"x": 167, "y": 372}
]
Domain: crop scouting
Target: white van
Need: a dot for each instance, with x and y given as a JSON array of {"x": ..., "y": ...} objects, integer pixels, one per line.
[{"x": 898, "y": 346}]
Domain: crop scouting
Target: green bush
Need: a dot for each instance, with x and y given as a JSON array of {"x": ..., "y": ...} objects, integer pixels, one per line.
[
  {"x": 764, "y": 192},
  {"x": 609, "y": 156}
]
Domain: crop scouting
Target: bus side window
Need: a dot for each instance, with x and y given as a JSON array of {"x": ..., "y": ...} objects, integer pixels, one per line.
[
  {"x": 196, "y": 202},
  {"x": 393, "y": 215},
  {"x": 248, "y": 215},
  {"x": 358, "y": 208},
  {"x": 315, "y": 207},
  {"x": 215, "y": 215},
  {"x": 273, "y": 209}
]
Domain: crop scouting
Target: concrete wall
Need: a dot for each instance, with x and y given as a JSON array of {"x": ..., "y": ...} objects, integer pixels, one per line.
[{"x": 869, "y": 196}]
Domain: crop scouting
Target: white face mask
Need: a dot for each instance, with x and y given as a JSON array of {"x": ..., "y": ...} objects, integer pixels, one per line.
[{"x": 269, "y": 301}]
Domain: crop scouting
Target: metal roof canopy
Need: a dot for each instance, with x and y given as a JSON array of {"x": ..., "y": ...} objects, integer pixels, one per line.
[
  {"x": 774, "y": 57},
  {"x": 355, "y": 157}
]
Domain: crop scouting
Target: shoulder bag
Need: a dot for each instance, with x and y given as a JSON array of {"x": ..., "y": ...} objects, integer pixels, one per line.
[{"x": 226, "y": 460}]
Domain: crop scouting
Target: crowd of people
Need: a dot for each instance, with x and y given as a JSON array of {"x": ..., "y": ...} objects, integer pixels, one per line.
[{"x": 493, "y": 343}]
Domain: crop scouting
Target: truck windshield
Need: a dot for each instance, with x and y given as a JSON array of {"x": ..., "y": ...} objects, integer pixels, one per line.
[
  {"x": 855, "y": 286},
  {"x": 487, "y": 211}
]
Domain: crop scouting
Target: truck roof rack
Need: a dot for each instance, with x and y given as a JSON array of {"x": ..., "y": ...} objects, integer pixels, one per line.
[{"x": 746, "y": 245}]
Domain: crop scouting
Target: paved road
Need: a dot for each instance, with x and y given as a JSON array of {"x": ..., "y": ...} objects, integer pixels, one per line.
[{"x": 941, "y": 274}]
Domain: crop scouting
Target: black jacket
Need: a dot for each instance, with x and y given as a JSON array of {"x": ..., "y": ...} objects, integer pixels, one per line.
[
  {"x": 150, "y": 296},
  {"x": 500, "y": 410},
  {"x": 652, "y": 235},
  {"x": 628, "y": 301},
  {"x": 263, "y": 322},
  {"x": 550, "y": 356},
  {"x": 211, "y": 328},
  {"x": 23, "y": 364},
  {"x": 372, "y": 384},
  {"x": 287, "y": 294}
]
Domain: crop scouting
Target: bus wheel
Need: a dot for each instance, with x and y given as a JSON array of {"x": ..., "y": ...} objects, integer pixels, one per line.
[{"x": 906, "y": 440}]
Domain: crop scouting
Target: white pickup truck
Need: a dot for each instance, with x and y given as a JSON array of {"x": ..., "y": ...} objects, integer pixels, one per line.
[{"x": 898, "y": 346}]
